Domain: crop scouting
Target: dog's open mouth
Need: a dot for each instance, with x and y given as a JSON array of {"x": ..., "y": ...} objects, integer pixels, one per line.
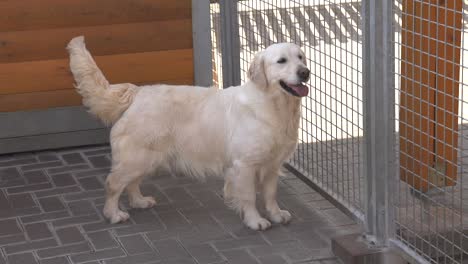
[{"x": 298, "y": 90}]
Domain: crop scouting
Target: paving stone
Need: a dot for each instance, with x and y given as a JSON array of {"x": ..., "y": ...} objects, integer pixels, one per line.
[
  {"x": 44, "y": 156},
  {"x": 97, "y": 255},
  {"x": 85, "y": 195},
  {"x": 75, "y": 220},
  {"x": 138, "y": 228},
  {"x": 23, "y": 258},
  {"x": 17, "y": 212},
  {"x": 68, "y": 168},
  {"x": 30, "y": 188},
  {"x": 63, "y": 179},
  {"x": 277, "y": 234},
  {"x": 240, "y": 243},
  {"x": 33, "y": 177},
  {"x": 9, "y": 174},
  {"x": 18, "y": 182},
  {"x": 38, "y": 231},
  {"x": 9, "y": 227},
  {"x": 12, "y": 239},
  {"x": 58, "y": 191},
  {"x": 73, "y": 158},
  {"x": 69, "y": 235},
  {"x": 23, "y": 200},
  {"x": 177, "y": 194},
  {"x": 42, "y": 165},
  {"x": 205, "y": 235},
  {"x": 64, "y": 250},
  {"x": 83, "y": 207},
  {"x": 99, "y": 201},
  {"x": 16, "y": 162},
  {"x": 337, "y": 217},
  {"x": 93, "y": 172},
  {"x": 30, "y": 246},
  {"x": 90, "y": 183},
  {"x": 55, "y": 260},
  {"x": 292, "y": 249},
  {"x": 4, "y": 203},
  {"x": 143, "y": 216},
  {"x": 239, "y": 256},
  {"x": 10, "y": 177},
  {"x": 105, "y": 225},
  {"x": 331, "y": 261},
  {"x": 170, "y": 249},
  {"x": 272, "y": 259},
  {"x": 172, "y": 219},
  {"x": 99, "y": 161},
  {"x": 184, "y": 261},
  {"x": 145, "y": 258},
  {"x": 162, "y": 234},
  {"x": 98, "y": 152},
  {"x": 102, "y": 240},
  {"x": 45, "y": 217},
  {"x": 135, "y": 244},
  {"x": 50, "y": 204},
  {"x": 204, "y": 253}
]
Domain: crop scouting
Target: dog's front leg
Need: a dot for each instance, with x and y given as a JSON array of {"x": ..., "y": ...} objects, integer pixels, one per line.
[
  {"x": 270, "y": 187},
  {"x": 240, "y": 193}
]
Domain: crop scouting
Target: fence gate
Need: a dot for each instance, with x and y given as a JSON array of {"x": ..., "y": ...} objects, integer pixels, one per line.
[{"x": 383, "y": 129}]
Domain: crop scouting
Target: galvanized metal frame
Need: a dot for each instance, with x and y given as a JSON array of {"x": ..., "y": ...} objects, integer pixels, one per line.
[
  {"x": 379, "y": 124},
  {"x": 230, "y": 43},
  {"x": 201, "y": 32}
]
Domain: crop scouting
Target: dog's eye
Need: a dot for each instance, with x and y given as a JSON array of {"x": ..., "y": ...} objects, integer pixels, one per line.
[
  {"x": 300, "y": 57},
  {"x": 282, "y": 60}
]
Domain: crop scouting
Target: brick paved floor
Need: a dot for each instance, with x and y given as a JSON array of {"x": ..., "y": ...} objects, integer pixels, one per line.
[{"x": 50, "y": 213}]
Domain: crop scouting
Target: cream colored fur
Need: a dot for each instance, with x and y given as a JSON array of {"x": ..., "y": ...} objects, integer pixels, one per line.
[{"x": 244, "y": 133}]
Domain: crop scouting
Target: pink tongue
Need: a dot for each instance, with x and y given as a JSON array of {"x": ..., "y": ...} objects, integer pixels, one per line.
[{"x": 300, "y": 89}]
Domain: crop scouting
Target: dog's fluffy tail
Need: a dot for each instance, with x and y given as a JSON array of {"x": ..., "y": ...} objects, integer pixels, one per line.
[{"x": 107, "y": 102}]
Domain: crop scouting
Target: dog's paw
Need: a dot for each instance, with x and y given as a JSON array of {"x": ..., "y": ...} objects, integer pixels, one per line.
[
  {"x": 144, "y": 202},
  {"x": 280, "y": 217},
  {"x": 259, "y": 223},
  {"x": 117, "y": 217}
]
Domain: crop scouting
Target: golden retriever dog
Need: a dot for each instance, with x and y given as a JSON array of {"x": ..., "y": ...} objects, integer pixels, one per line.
[{"x": 244, "y": 133}]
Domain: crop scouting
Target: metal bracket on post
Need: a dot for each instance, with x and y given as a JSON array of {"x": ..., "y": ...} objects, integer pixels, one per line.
[
  {"x": 230, "y": 43},
  {"x": 379, "y": 120},
  {"x": 201, "y": 33}
]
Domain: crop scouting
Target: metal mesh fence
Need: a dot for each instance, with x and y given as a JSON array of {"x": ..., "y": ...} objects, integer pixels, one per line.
[
  {"x": 431, "y": 70},
  {"x": 429, "y": 202},
  {"x": 329, "y": 151}
]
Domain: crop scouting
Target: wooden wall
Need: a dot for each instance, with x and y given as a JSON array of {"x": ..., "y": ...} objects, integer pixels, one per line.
[{"x": 138, "y": 41}]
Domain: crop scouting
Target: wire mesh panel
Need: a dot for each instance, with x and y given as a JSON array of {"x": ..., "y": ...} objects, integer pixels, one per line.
[
  {"x": 431, "y": 69},
  {"x": 216, "y": 44},
  {"x": 328, "y": 31}
]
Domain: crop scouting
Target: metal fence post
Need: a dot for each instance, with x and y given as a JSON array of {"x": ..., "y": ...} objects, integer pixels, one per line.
[
  {"x": 379, "y": 120},
  {"x": 201, "y": 32},
  {"x": 230, "y": 43}
]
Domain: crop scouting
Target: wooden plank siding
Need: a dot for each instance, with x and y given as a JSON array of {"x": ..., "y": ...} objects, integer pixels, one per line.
[{"x": 137, "y": 41}]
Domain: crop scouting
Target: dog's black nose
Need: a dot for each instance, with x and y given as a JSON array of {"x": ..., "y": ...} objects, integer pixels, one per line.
[{"x": 303, "y": 74}]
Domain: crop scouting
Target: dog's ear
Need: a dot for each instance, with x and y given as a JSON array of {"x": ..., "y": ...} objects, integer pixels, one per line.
[{"x": 257, "y": 70}]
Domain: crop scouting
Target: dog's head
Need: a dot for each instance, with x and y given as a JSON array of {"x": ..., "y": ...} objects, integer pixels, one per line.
[{"x": 281, "y": 66}]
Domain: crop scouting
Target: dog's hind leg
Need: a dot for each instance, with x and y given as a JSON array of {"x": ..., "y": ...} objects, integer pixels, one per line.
[
  {"x": 116, "y": 182},
  {"x": 137, "y": 200},
  {"x": 240, "y": 193}
]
